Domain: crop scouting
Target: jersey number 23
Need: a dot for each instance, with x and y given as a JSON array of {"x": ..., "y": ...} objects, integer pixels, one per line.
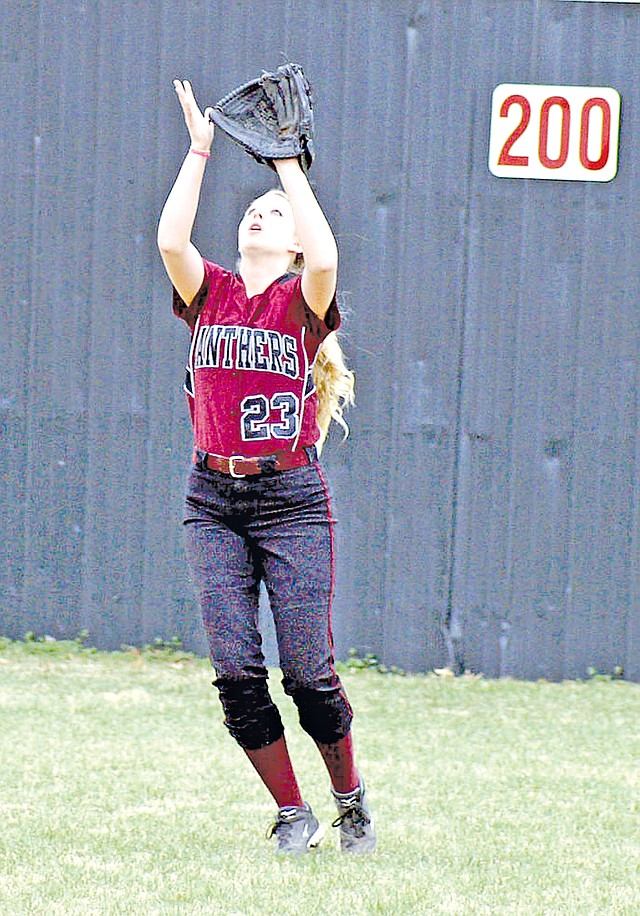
[{"x": 269, "y": 418}]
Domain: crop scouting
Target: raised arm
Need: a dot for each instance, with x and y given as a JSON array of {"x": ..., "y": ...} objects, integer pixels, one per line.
[
  {"x": 181, "y": 258},
  {"x": 319, "y": 248}
]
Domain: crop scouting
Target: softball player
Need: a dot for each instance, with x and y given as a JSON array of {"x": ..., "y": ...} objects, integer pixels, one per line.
[{"x": 257, "y": 504}]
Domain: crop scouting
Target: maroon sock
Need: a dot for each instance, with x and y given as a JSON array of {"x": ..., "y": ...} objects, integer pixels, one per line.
[
  {"x": 340, "y": 762},
  {"x": 273, "y": 765}
]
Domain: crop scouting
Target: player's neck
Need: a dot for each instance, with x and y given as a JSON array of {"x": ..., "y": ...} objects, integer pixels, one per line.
[{"x": 258, "y": 273}]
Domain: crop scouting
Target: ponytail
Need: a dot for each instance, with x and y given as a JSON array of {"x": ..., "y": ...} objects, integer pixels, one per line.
[
  {"x": 334, "y": 382},
  {"x": 335, "y": 385}
]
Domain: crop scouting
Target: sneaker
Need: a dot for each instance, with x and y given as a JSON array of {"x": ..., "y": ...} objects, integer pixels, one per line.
[
  {"x": 296, "y": 830},
  {"x": 355, "y": 821}
]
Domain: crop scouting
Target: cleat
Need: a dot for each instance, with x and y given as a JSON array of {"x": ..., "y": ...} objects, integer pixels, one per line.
[
  {"x": 296, "y": 830},
  {"x": 355, "y": 821}
]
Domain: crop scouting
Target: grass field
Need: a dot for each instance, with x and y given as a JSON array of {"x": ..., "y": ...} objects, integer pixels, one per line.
[{"x": 121, "y": 793}]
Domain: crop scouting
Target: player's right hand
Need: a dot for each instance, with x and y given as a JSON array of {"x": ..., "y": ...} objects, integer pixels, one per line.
[{"x": 199, "y": 124}]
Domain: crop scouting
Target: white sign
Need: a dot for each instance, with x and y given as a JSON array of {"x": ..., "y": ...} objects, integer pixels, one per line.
[{"x": 565, "y": 133}]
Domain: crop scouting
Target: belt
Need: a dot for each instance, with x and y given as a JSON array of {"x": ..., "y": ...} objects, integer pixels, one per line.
[{"x": 239, "y": 466}]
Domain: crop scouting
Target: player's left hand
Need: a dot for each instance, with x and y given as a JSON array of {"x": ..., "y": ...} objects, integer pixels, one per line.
[{"x": 271, "y": 117}]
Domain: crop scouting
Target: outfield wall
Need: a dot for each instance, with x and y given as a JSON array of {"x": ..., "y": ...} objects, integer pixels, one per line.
[{"x": 487, "y": 498}]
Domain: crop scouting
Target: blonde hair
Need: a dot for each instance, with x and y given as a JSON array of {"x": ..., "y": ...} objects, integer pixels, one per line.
[
  {"x": 335, "y": 385},
  {"x": 334, "y": 381}
]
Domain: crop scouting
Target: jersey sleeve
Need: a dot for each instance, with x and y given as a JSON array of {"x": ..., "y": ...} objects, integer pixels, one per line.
[
  {"x": 317, "y": 327},
  {"x": 213, "y": 276}
]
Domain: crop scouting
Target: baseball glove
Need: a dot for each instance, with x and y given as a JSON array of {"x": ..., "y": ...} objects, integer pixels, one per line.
[{"x": 271, "y": 117}]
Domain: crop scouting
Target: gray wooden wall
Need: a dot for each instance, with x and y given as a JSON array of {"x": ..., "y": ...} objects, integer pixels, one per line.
[{"x": 488, "y": 497}]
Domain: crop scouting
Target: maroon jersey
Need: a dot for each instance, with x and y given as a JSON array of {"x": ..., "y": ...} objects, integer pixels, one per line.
[{"x": 249, "y": 374}]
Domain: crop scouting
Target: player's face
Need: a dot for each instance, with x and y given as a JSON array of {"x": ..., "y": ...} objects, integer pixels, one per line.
[{"x": 268, "y": 226}]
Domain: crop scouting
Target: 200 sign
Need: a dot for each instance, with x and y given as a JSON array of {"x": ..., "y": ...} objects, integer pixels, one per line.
[{"x": 556, "y": 132}]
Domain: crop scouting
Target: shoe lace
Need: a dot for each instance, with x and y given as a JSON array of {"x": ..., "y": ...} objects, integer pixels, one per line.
[
  {"x": 278, "y": 826},
  {"x": 281, "y": 824},
  {"x": 275, "y": 828},
  {"x": 355, "y": 818}
]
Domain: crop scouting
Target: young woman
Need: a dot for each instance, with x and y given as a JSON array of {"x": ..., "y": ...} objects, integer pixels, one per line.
[{"x": 257, "y": 506}]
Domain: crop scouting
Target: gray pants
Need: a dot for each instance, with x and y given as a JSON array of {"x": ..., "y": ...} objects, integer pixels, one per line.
[{"x": 275, "y": 528}]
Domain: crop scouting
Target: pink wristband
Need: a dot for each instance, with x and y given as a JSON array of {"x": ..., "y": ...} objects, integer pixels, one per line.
[{"x": 201, "y": 152}]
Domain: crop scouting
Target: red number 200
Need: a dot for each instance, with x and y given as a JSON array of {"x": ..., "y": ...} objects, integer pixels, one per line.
[{"x": 594, "y": 165}]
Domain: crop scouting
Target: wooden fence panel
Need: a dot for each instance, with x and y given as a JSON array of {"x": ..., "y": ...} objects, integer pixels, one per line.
[{"x": 487, "y": 497}]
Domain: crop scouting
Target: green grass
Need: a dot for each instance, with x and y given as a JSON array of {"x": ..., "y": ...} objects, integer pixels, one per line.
[{"x": 121, "y": 793}]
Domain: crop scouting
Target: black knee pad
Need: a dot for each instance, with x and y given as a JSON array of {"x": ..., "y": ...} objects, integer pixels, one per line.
[
  {"x": 323, "y": 710},
  {"x": 249, "y": 712}
]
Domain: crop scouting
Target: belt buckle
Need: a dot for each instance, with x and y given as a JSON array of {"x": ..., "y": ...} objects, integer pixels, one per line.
[{"x": 232, "y": 471}]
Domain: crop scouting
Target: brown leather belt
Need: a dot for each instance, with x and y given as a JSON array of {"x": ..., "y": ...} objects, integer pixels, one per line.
[{"x": 238, "y": 466}]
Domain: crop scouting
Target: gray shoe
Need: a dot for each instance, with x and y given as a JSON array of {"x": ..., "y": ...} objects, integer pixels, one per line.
[
  {"x": 296, "y": 830},
  {"x": 355, "y": 821}
]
